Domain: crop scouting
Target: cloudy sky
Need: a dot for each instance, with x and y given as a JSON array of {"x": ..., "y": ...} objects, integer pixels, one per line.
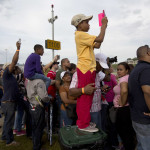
[{"x": 128, "y": 27}]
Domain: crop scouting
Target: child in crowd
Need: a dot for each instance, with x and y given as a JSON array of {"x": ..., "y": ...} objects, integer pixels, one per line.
[
  {"x": 33, "y": 68},
  {"x": 86, "y": 66}
]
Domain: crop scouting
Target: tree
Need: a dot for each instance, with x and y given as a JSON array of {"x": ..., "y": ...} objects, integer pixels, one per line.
[
  {"x": 134, "y": 58},
  {"x": 129, "y": 59}
]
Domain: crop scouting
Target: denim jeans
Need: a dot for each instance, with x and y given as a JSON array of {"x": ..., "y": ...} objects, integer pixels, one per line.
[
  {"x": 58, "y": 100},
  {"x": 143, "y": 135},
  {"x": 19, "y": 114},
  {"x": 58, "y": 103},
  {"x": 96, "y": 118},
  {"x": 9, "y": 113},
  {"x": 28, "y": 119},
  {"x": 18, "y": 120},
  {"x": 104, "y": 114},
  {"x": 38, "y": 124},
  {"x": 42, "y": 77},
  {"x": 64, "y": 119}
]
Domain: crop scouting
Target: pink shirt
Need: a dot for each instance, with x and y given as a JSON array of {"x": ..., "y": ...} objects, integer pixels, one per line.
[
  {"x": 117, "y": 91},
  {"x": 110, "y": 94}
]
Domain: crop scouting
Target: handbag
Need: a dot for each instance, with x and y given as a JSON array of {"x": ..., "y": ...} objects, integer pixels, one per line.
[{"x": 113, "y": 114}]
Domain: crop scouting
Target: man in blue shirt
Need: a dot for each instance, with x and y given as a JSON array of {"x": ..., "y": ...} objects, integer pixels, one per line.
[
  {"x": 139, "y": 97},
  {"x": 8, "y": 102}
]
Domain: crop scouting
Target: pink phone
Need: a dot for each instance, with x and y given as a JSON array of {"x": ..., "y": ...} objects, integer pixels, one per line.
[
  {"x": 100, "y": 17},
  {"x": 104, "y": 13}
]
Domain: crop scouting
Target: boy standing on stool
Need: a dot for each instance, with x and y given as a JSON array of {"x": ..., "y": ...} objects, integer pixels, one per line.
[{"x": 86, "y": 66}]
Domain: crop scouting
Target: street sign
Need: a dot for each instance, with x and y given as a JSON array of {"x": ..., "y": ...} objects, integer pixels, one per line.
[{"x": 51, "y": 44}]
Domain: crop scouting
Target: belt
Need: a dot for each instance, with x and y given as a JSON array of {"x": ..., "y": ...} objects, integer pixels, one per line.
[{"x": 8, "y": 101}]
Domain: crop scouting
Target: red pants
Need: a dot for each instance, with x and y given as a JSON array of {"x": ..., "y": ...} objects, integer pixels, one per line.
[{"x": 84, "y": 102}]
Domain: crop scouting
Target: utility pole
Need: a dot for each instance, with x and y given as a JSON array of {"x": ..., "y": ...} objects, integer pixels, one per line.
[{"x": 51, "y": 20}]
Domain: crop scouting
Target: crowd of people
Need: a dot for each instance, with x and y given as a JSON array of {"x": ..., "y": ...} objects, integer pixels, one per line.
[{"x": 88, "y": 94}]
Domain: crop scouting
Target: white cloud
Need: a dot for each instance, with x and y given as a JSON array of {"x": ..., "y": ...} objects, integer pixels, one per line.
[{"x": 128, "y": 26}]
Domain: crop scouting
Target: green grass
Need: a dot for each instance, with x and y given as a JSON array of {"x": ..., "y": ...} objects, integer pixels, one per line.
[{"x": 26, "y": 144}]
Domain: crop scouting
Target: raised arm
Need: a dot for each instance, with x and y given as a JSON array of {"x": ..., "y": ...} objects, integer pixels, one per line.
[
  {"x": 58, "y": 80},
  {"x": 50, "y": 63},
  {"x": 57, "y": 84},
  {"x": 99, "y": 39},
  {"x": 15, "y": 58}
]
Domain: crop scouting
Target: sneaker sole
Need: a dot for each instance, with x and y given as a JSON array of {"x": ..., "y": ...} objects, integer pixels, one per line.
[
  {"x": 88, "y": 130},
  {"x": 20, "y": 134}
]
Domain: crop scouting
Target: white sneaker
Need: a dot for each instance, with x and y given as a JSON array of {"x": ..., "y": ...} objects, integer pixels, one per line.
[{"x": 89, "y": 129}]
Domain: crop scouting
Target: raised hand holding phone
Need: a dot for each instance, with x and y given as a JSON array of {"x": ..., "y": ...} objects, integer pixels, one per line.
[
  {"x": 19, "y": 41},
  {"x": 100, "y": 17},
  {"x": 18, "y": 44}
]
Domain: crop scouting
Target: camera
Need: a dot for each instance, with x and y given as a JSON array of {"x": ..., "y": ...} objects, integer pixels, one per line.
[
  {"x": 113, "y": 59},
  {"x": 56, "y": 17},
  {"x": 51, "y": 20}
]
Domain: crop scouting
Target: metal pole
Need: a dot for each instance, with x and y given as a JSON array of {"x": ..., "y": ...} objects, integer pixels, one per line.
[
  {"x": 51, "y": 20},
  {"x": 52, "y": 29},
  {"x": 51, "y": 120}
]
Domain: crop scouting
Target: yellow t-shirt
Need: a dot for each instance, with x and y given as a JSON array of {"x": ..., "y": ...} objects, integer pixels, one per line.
[{"x": 85, "y": 53}]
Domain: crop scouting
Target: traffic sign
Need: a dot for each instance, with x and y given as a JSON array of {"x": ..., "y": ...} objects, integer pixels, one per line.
[{"x": 51, "y": 44}]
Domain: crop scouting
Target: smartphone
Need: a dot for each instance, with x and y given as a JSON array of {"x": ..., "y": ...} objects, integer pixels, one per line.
[
  {"x": 19, "y": 41},
  {"x": 100, "y": 17}
]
